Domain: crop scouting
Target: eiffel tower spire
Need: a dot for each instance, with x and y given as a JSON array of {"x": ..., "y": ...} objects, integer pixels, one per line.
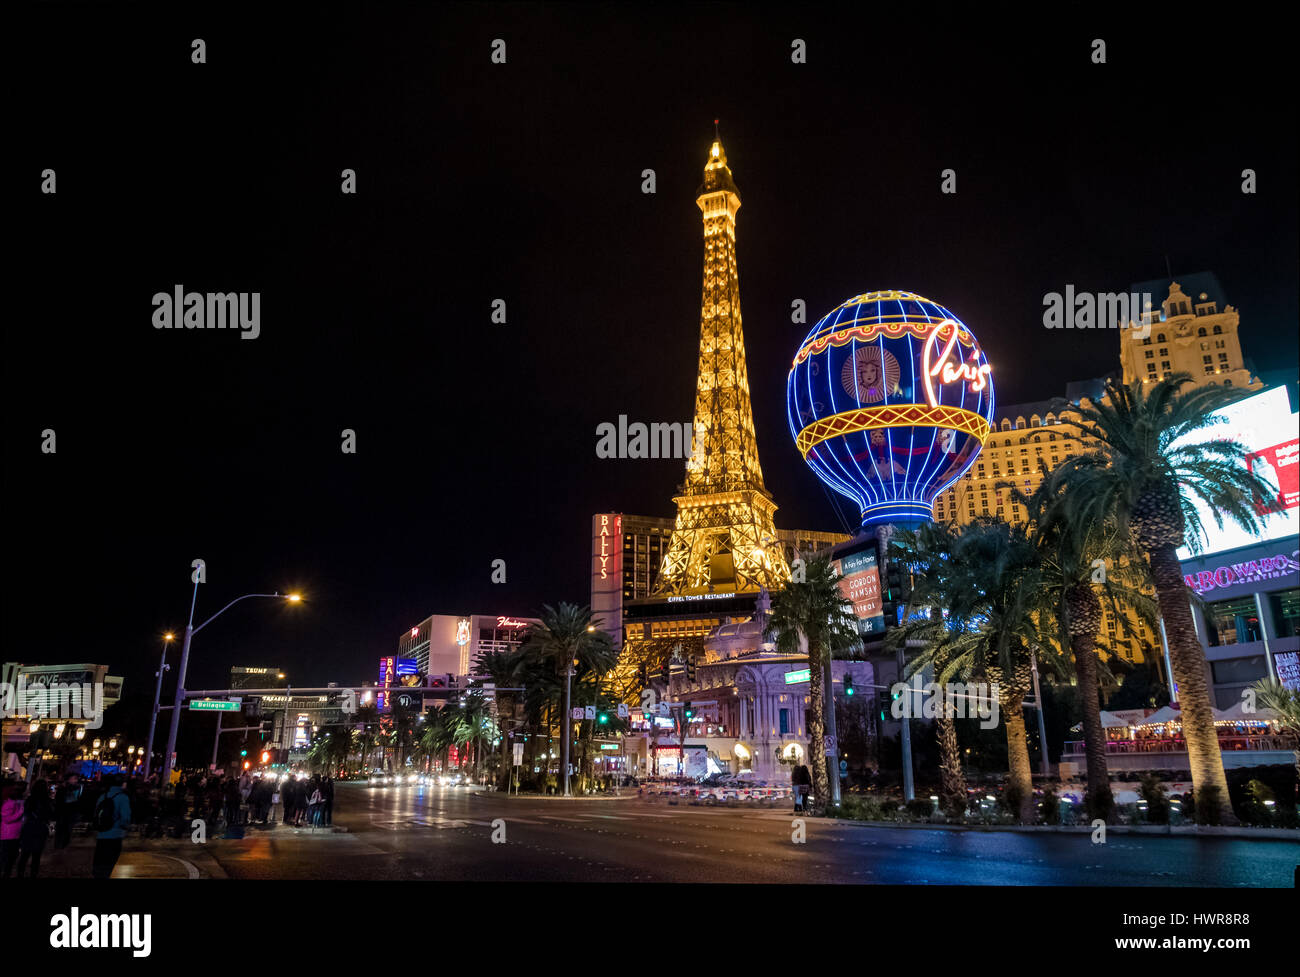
[{"x": 724, "y": 538}]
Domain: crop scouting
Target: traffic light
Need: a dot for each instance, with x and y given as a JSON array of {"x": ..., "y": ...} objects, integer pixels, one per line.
[
  {"x": 886, "y": 699},
  {"x": 688, "y": 710},
  {"x": 243, "y": 753},
  {"x": 690, "y": 669},
  {"x": 643, "y": 675},
  {"x": 891, "y": 601},
  {"x": 665, "y": 673},
  {"x": 848, "y": 684},
  {"x": 604, "y": 717}
]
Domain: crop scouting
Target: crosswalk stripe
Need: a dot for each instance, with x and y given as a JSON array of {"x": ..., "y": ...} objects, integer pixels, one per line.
[{"x": 556, "y": 817}]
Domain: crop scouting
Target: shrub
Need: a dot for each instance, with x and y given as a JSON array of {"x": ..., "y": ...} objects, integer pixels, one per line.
[
  {"x": 1009, "y": 800},
  {"x": 1253, "y": 809},
  {"x": 920, "y": 809},
  {"x": 1153, "y": 792},
  {"x": 1051, "y": 806}
]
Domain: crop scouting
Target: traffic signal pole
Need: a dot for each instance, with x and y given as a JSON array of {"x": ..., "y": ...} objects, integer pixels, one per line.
[
  {"x": 833, "y": 759},
  {"x": 884, "y": 533}
]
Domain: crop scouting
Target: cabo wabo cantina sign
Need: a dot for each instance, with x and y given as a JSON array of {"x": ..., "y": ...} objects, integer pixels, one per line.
[{"x": 1247, "y": 571}]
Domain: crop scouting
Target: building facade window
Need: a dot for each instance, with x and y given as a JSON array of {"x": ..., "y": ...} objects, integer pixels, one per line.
[
  {"x": 1232, "y": 622},
  {"x": 1286, "y": 612}
]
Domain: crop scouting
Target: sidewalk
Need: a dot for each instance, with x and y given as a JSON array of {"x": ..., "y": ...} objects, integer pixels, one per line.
[{"x": 178, "y": 860}]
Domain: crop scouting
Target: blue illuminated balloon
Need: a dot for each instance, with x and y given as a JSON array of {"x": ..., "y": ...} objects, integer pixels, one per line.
[{"x": 889, "y": 399}]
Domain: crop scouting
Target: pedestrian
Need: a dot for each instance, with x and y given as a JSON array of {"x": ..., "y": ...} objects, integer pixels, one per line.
[
  {"x": 11, "y": 825},
  {"x": 289, "y": 796},
  {"x": 233, "y": 799},
  {"x": 112, "y": 818},
  {"x": 37, "y": 815},
  {"x": 800, "y": 782},
  {"x": 328, "y": 791},
  {"x": 67, "y": 804},
  {"x": 315, "y": 806}
]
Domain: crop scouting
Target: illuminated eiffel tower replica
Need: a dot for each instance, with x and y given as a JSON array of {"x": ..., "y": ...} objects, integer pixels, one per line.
[{"x": 724, "y": 540}]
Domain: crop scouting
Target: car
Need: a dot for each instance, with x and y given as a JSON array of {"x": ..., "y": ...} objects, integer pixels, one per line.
[{"x": 377, "y": 779}]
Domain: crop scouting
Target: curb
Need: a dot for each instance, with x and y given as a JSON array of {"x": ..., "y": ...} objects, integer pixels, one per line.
[{"x": 1194, "y": 831}]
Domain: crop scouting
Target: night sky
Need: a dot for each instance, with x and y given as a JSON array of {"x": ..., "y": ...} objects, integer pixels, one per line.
[{"x": 523, "y": 182}]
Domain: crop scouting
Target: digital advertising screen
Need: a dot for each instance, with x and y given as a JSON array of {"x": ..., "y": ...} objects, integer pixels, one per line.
[
  {"x": 1266, "y": 425},
  {"x": 860, "y": 582}
]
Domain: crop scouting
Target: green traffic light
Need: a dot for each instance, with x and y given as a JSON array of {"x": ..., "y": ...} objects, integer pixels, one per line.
[
  {"x": 604, "y": 718},
  {"x": 243, "y": 753}
]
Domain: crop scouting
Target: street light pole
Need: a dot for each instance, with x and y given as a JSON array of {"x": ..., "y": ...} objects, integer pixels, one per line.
[
  {"x": 157, "y": 697},
  {"x": 1042, "y": 728},
  {"x": 190, "y": 631},
  {"x": 568, "y": 722}
]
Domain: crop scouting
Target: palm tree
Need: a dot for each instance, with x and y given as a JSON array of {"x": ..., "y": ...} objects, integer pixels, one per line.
[
  {"x": 816, "y": 611},
  {"x": 438, "y": 733},
  {"x": 471, "y": 726},
  {"x": 1141, "y": 476},
  {"x": 566, "y": 636},
  {"x": 988, "y": 589},
  {"x": 500, "y": 667},
  {"x": 368, "y": 722},
  {"x": 1069, "y": 546},
  {"x": 926, "y": 553}
]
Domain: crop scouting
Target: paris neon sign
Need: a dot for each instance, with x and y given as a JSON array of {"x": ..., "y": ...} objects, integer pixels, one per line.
[{"x": 944, "y": 368}]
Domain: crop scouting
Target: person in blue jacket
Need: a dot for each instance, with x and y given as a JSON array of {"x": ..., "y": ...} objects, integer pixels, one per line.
[{"x": 112, "y": 818}]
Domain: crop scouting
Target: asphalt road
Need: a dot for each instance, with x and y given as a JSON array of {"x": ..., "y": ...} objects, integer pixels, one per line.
[{"x": 447, "y": 834}]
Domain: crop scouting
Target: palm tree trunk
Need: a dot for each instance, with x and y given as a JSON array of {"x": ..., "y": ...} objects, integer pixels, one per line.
[
  {"x": 953, "y": 781},
  {"x": 1100, "y": 801},
  {"x": 1188, "y": 661},
  {"x": 817, "y": 727},
  {"x": 1021, "y": 779}
]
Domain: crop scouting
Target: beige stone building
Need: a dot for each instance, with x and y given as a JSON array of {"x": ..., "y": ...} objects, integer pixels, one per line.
[{"x": 1187, "y": 334}]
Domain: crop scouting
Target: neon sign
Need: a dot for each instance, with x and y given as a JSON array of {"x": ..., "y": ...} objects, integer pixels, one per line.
[
  {"x": 510, "y": 622},
  {"x": 944, "y": 369},
  {"x": 889, "y": 400},
  {"x": 606, "y": 554},
  {"x": 1247, "y": 571},
  {"x": 462, "y": 631}
]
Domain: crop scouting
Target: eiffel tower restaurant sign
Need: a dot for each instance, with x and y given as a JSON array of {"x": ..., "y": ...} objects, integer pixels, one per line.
[{"x": 889, "y": 399}]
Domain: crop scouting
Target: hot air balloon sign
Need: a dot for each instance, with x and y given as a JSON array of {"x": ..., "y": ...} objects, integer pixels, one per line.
[{"x": 889, "y": 400}]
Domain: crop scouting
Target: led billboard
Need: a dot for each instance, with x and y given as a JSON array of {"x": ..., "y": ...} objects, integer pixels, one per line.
[{"x": 1264, "y": 423}]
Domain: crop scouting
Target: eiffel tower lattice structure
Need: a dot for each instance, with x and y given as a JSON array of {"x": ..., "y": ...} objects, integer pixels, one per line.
[{"x": 724, "y": 538}]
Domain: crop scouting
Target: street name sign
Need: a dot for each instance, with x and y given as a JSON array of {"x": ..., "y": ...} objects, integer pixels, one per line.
[{"x": 214, "y": 705}]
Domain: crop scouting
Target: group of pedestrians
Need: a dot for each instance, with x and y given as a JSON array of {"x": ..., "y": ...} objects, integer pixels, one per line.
[
  {"x": 28, "y": 817},
  {"x": 24, "y": 828},
  {"x": 112, "y": 804},
  {"x": 308, "y": 803}
]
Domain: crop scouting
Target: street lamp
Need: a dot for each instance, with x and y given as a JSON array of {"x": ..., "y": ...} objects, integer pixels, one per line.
[
  {"x": 80, "y": 734},
  {"x": 190, "y": 631},
  {"x": 157, "y": 693}
]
